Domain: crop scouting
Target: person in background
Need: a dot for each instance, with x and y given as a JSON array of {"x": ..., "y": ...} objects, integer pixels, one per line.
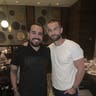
[
  {"x": 67, "y": 61},
  {"x": 33, "y": 61},
  {"x": 2, "y": 55}
]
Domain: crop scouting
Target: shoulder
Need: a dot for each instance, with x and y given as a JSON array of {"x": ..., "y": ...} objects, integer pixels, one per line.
[
  {"x": 71, "y": 44},
  {"x": 46, "y": 48},
  {"x": 51, "y": 45},
  {"x": 20, "y": 49},
  {"x": 74, "y": 48}
]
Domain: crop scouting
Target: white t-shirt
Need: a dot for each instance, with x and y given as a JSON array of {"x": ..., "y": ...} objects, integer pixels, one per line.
[{"x": 63, "y": 69}]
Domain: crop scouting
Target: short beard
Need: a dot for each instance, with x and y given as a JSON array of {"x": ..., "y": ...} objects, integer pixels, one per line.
[
  {"x": 35, "y": 45},
  {"x": 58, "y": 37}
]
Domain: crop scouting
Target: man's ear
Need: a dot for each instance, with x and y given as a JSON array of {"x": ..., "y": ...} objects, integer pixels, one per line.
[
  {"x": 28, "y": 35},
  {"x": 61, "y": 29},
  {"x": 25, "y": 43}
]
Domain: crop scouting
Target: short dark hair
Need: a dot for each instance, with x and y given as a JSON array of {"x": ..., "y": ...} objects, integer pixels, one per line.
[
  {"x": 38, "y": 24},
  {"x": 54, "y": 20}
]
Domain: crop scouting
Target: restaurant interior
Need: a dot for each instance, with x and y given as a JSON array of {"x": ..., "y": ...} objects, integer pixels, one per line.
[{"x": 78, "y": 18}]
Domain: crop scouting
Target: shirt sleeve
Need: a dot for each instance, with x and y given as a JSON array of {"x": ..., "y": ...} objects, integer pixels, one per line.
[
  {"x": 16, "y": 57},
  {"x": 77, "y": 52},
  {"x": 50, "y": 63}
]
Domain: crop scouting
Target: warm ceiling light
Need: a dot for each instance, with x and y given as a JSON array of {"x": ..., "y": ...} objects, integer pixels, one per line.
[
  {"x": 38, "y": 3},
  {"x": 17, "y": 1},
  {"x": 57, "y": 3},
  {"x": 4, "y": 23}
]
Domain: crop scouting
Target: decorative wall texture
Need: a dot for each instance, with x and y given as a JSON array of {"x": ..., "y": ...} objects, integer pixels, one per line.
[
  {"x": 44, "y": 14},
  {"x": 15, "y": 34}
]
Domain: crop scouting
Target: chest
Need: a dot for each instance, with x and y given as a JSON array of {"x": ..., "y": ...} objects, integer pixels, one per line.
[
  {"x": 62, "y": 56},
  {"x": 33, "y": 60}
]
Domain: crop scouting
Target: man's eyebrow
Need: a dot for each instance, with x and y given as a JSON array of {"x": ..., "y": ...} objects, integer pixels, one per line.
[{"x": 32, "y": 31}]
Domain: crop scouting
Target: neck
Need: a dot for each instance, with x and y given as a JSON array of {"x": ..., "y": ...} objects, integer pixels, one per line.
[
  {"x": 59, "y": 42},
  {"x": 35, "y": 48}
]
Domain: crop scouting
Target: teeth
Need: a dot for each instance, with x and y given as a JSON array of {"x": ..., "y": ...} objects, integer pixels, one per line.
[{"x": 35, "y": 40}]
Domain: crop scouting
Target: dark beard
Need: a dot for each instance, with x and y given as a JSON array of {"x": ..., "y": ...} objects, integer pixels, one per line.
[
  {"x": 58, "y": 37},
  {"x": 34, "y": 45}
]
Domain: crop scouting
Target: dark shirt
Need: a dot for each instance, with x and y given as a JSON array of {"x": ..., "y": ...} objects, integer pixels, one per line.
[{"x": 34, "y": 66}]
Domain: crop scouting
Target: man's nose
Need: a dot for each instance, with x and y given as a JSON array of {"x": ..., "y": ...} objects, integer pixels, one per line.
[
  {"x": 53, "y": 32},
  {"x": 37, "y": 35}
]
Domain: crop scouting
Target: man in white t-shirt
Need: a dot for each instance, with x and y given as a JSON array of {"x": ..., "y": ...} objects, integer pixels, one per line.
[{"x": 67, "y": 62}]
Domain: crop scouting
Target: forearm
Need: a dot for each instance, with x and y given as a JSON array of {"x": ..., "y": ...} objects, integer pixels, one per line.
[
  {"x": 79, "y": 64},
  {"x": 13, "y": 76},
  {"x": 78, "y": 78}
]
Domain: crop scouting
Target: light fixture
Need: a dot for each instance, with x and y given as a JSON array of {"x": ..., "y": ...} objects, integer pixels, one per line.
[
  {"x": 57, "y": 3},
  {"x": 17, "y": 1},
  {"x": 38, "y": 3},
  {"x": 4, "y": 23}
]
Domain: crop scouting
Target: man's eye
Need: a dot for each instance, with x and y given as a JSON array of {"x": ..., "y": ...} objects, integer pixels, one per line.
[
  {"x": 49, "y": 30},
  {"x": 33, "y": 32},
  {"x": 40, "y": 33},
  {"x": 56, "y": 28}
]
